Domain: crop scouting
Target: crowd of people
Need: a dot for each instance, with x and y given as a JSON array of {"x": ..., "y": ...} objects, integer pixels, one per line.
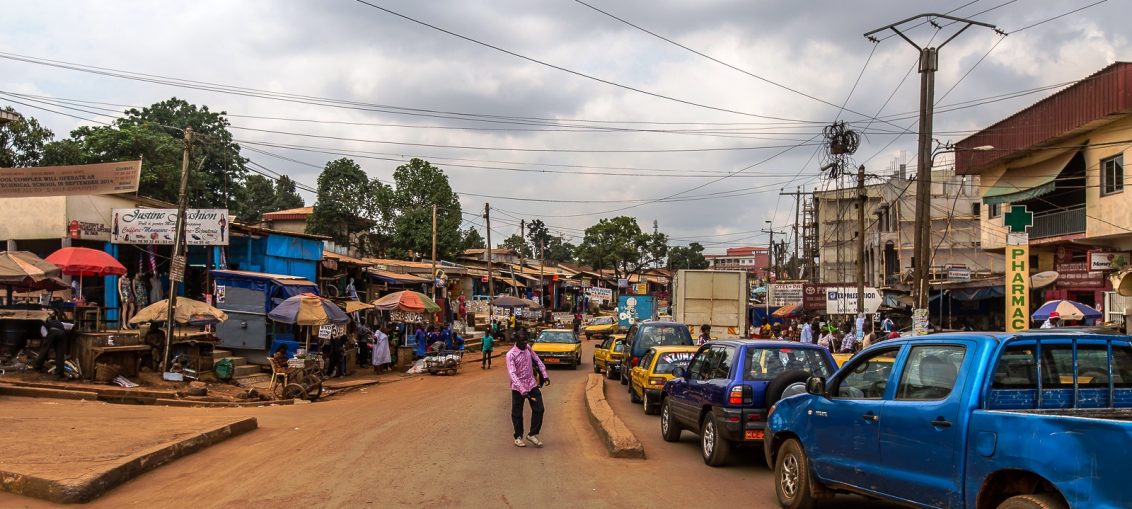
[{"x": 851, "y": 336}]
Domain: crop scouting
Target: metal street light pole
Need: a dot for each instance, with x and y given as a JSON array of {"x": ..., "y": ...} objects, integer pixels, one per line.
[{"x": 929, "y": 63}]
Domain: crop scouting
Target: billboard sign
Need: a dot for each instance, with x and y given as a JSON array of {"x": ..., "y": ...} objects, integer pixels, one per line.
[
  {"x": 203, "y": 227},
  {"x": 79, "y": 179},
  {"x": 842, "y": 300}
]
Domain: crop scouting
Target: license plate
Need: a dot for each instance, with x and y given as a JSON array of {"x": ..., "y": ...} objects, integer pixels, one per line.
[
  {"x": 551, "y": 360},
  {"x": 753, "y": 434}
]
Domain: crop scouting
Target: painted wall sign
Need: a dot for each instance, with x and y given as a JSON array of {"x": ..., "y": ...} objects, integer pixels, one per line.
[
  {"x": 782, "y": 294},
  {"x": 1017, "y": 287},
  {"x": 81, "y": 179},
  {"x": 203, "y": 227},
  {"x": 1099, "y": 260}
]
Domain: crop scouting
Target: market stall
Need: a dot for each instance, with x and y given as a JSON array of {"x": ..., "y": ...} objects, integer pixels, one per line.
[{"x": 406, "y": 310}]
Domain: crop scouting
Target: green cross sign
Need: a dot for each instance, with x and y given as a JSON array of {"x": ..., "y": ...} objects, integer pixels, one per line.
[{"x": 1018, "y": 219}]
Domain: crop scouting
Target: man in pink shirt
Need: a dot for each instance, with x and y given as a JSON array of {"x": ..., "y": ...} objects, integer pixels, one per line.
[{"x": 521, "y": 365}]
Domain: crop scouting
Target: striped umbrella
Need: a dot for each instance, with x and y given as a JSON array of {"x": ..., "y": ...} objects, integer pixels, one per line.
[{"x": 1066, "y": 309}]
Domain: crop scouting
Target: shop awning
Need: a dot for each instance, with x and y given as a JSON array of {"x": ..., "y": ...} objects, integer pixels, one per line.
[
  {"x": 1030, "y": 181},
  {"x": 396, "y": 277},
  {"x": 510, "y": 281}
]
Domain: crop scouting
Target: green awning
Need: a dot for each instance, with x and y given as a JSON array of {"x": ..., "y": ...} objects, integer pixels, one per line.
[{"x": 1030, "y": 181}]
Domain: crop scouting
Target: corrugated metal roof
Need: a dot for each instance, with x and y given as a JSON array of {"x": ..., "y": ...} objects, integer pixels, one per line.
[{"x": 1105, "y": 93}]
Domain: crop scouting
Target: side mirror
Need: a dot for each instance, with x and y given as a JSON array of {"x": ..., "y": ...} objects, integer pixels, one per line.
[
  {"x": 816, "y": 386},
  {"x": 679, "y": 372}
]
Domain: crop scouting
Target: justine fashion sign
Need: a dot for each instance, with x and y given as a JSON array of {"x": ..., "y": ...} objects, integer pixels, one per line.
[
  {"x": 203, "y": 227},
  {"x": 101, "y": 178}
]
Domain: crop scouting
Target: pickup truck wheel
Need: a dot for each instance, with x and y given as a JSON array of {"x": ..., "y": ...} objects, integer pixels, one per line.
[
  {"x": 1036, "y": 501},
  {"x": 714, "y": 447},
  {"x": 669, "y": 430},
  {"x": 792, "y": 481}
]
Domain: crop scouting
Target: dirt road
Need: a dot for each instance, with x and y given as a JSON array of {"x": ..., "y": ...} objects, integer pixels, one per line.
[{"x": 433, "y": 441}]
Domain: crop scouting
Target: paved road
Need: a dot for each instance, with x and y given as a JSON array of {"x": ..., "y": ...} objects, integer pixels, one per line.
[{"x": 435, "y": 441}]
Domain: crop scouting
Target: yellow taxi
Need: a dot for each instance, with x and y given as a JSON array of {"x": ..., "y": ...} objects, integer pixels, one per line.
[
  {"x": 608, "y": 355},
  {"x": 647, "y": 378},
  {"x": 558, "y": 346},
  {"x": 600, "y": 327}
]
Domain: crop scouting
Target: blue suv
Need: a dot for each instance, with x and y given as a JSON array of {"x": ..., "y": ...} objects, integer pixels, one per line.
[{"x": 725, "y": 392}]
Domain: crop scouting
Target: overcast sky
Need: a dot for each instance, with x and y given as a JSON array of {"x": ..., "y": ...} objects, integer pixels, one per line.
[{"x": 596, "y": 146}]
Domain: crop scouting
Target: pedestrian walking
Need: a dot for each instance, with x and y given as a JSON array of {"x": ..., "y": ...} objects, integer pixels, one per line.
[
  {"x": 807, "y": 333},
  {"x": 381, "y": 357},
  {"x": 577, "y": 323},
  {"x": 419, "y": 340},
  {"x": 848, "y": 342},
  {"x": 487, "y": 347},
  {"x": 705, "y": 334},
  {"x": 827, "y": 340},
  {"x": 522, "y": 367}
]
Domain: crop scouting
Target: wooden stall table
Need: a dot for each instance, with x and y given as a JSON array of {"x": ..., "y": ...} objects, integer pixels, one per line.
[
  {"x": 124, "y": 347},
  {"x": 197, "y": 346}
]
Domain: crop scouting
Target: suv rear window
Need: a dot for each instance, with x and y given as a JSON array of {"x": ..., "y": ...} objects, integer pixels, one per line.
[
  {"x": 767, "y": 363},
  {"x": 660, "y": 335}
]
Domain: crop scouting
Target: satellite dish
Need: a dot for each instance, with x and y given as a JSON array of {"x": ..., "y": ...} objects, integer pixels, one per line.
[
  {"x": 1043, "y": 279},
  {"x": 1122, "y": 282}
]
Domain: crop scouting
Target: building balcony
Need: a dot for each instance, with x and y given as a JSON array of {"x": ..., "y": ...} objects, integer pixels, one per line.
[{"x": 1055, "y": 224}]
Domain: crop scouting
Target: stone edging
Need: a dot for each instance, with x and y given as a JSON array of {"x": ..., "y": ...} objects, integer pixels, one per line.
[{"x": 617, "y": 438}]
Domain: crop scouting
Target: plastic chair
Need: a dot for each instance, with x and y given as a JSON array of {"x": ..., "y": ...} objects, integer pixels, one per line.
[{"x": 277, "y": 372}]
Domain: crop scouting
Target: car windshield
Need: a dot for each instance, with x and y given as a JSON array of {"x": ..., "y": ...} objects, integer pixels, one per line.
[
  {"x": 669, "y": 361},
  {"x": 602, "y": 320},
  {"x": 661, "y": 335},
  {"x": 555, "y": 336},
  {"x": 767, "y": 363}
]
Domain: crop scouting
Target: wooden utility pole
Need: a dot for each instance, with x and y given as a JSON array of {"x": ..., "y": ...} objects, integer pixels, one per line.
[
  {"x": 797, "y": 194},
  {"x": 434, "y": 251},
  {"x": 861, "y": 198},
  {"x": 541, "y": 270},
  {"x": 490, "y": 277},
  {"x": 177, "y": 264}
]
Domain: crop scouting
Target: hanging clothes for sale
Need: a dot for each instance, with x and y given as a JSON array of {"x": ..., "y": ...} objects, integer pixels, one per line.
[{"x": 155, "y": 293}]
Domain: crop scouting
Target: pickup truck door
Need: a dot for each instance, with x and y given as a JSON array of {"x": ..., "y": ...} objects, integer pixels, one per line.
[
  {"x": 921, "y": 433},
  {"x": 846, "y": 432}
]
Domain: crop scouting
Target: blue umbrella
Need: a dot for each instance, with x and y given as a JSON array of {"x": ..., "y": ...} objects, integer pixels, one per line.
[
  {"x": 310, "y": 310},
  {"x": 1066, "y": 309}
]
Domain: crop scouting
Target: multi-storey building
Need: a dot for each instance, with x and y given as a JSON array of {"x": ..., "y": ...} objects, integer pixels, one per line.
[{"x": 754, "y": 260}]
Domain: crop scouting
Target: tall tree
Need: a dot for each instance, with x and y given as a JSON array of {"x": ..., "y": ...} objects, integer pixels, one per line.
[
  {"x": 517, "y": 244},
  {"x": 418, "y": 185},
  {"x": 690, "y": 257},
  {"x": 340, "y": 208},
  {"x": 536, "y": 232},
  {"x": 286, "y": 195},
  {"x": 160, "y": 154},
  {"x": 559, "y": 250},
  {"x": 22, "y": 141},
  {"x": 472, "y": 239},
  {"x": 619, "y": 244},
  {"x": 256, "y": 198}
]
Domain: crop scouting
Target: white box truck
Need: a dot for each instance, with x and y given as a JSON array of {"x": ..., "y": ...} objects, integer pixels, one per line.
[{"x": 714, "y": 297}]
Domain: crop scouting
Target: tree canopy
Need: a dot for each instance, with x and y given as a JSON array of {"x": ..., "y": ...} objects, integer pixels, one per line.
[
  {"x": 472, "y": 240},
  {"x": 418, "y": 185},
  {"x": 341, "y": 205},
  {"x": 22, "y": 141},
  {"x": 690, "y": 257},
  {"x": 619, "y": 244},
  {"x": 520, "y": 246}
]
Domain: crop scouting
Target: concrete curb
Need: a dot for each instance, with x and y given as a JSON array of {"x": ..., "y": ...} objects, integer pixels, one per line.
[
  {"x": 88, "y": 488},
  {"x": 620, "y": 442}
]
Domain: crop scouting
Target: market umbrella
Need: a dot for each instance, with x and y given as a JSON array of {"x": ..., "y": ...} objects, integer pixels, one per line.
[
  {"x": 81, "y": 261},
  {"x": 24, "y": 269},
  {"x": 532, "y": 304},
  {"x": 1067, "y": 309},
  {"x": 509, "y": 301},
  {"x": 187, "y": 311},
  {"x": 353, "y": 306},
  {"x": 788, "y": 310},
  {"x": 310, "y": 310},
  {"x": 407, "y": 301}
]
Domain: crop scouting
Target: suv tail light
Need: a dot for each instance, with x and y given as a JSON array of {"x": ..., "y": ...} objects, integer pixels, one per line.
[{"x": 740, "y": 395}]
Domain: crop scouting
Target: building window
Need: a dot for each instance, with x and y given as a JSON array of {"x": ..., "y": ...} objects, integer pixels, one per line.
[
  {"x": 994, "y": 210},
  {"x": 1112, "y": 175},
  {"x": 975, "y": 208}
]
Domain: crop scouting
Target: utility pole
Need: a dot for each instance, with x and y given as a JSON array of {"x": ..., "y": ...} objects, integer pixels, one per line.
[
  {"x": 861, "y": 198},
  {"x": 433, "y": 251},
  {"x": 929, "y": 63},
  {"x": 177, "y": 264},
  {"x": 490, "y": 278},
  {"x": 797, "y": 194},
  {"x": 541, "y": 270}
]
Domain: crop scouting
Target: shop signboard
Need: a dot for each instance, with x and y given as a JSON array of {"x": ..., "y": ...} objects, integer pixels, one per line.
[
  {"x": 842, "y": 300},
  {"x": 177, "y": 269},
  {"x": 204, "y": 227},
  {"x": 958, "y": 274},
  {"x": 81, "y": 179},
  {"x": 1101, "y": 260},
  {"x": 1018, "y": 286},
  {"x": 331, "y": 331},
  {"x": 1077, "y": 276},
  {"x": 813, "y": 295},
  {"x": 600, "y": 294},
  {"x": 783, "y": 294},
  {"x": 642, "y": 288}
]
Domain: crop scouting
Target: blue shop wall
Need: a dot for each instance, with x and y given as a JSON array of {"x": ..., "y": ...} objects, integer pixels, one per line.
[{"x": 276, "y": 254}]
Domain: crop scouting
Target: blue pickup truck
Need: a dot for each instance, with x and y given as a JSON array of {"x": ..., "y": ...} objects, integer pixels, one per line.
[
  {"x": 1032, "y": 420},
  {"x": 724, "y": 393}
]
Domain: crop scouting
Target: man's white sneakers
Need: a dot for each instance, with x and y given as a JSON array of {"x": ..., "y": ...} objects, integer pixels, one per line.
[
  {"x": 534, "y": 440},
  {"x": 520, "y": 443}
]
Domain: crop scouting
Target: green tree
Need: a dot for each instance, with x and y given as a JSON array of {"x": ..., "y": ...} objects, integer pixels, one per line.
[
  {"x": 559, "y": 250},
  {"x": 619, "y": 244},
  {"x": 22, "y": 142},
  {"x": 517, "y": 244},
  {"x": 286, "y": 195},
  {"x": 472, "y": 239},
  {"x": 256, "y": 198},
  {"x": 341, "y": 208},
  {"x": 536, "y": 232},
  {"x": 691, "y": 257},
  {"x": 160, "y": 154},
  {"x": 417, "y": 186}
]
